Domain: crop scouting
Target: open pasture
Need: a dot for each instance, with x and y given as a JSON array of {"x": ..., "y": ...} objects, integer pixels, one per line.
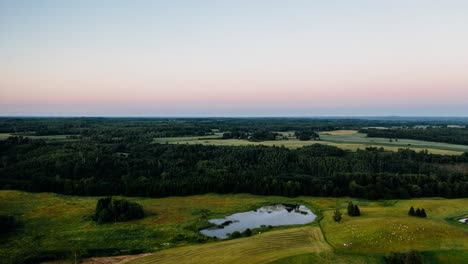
[
  {"x": 59, "y": 224},
  {"x": 345, "y": 139}
]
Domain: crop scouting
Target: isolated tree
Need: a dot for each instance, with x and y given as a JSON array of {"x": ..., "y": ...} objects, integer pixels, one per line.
[
  {"x": 411, "y": 211},
  {"x": 337, "y": 216}
]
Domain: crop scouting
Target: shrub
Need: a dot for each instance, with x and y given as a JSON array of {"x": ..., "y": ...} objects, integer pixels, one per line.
[
  {"x": 337, "y": 216},
  {"x": 235, "y": 234}
]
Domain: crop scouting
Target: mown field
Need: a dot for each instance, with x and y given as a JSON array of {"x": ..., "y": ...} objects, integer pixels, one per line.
[
  {"x": 345, "y": 139},
  {"x": 60, "y": 225}
]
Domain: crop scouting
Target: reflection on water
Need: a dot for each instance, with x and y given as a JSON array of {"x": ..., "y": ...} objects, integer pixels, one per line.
[{"x": 274, "y": 215}]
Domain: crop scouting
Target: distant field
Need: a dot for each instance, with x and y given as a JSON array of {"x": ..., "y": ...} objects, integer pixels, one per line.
[
  {"x": 346, "y": 139},
  {"x": 360, "y": 138},
  {"x": 51, "y": 137},
  {"x": 58, "y": 223}
]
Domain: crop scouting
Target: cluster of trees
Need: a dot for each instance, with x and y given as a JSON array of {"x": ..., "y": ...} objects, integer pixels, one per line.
[
  {"x": 306, "y": 135},
  {"x": 259, "y": 135},
  {"x": 411, "y": 257},
  {"x": 235, "y": 135},
  {"x": 117, "y": 210},
  {"x": 437, "y": 134},
  {"x": 418, "y": 212},
  {"x": 353, "y": 209}
]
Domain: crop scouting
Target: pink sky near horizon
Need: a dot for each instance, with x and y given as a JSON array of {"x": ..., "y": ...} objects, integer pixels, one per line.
[{"x": 412, "y": 60}]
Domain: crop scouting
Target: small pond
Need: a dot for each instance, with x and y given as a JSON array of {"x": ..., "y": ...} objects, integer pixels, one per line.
[{"x": 271, "y": 215}]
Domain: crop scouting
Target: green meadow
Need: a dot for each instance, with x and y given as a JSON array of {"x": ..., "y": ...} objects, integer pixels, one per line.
[
  {"x": 59, "y": 225},
  {"x": 345, "y": 139}
]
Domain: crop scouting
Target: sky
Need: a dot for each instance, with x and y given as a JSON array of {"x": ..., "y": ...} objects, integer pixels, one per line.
[{"x": 234, "y": 58}]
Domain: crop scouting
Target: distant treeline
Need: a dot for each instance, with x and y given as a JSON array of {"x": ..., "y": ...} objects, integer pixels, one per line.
[
  {"x": 446, "y": 135},
  {"x": 145, "y": 129},
  {"x": 91, "y": 167}
]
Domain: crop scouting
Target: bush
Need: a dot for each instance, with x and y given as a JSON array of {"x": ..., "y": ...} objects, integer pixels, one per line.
[
  {"x": 247, "y": 232},
  {"x": 235, "y": 234},
  {"x": 112, "y": 210},
  {"x": 337, "y": 216}
]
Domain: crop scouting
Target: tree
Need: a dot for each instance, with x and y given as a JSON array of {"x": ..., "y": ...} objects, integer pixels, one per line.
[
  {"x": 235, "y": 234},
  {"x": 423, "y": 213},
  {"x": 350, "y": 209},
  {"x": 337, "y": 216},
  {"x": 357, "y": 211},
  {"x": 418, "y": 212},
  {"x": 411, "y": 211},
  {"x": 353, "y": 209},
  {"x": 247, "y": 232}
]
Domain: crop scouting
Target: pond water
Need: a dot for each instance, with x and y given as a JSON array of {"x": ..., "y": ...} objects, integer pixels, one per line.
[
  {"x": 463, "y": 220},
  {"x": 274, "y": 215}
]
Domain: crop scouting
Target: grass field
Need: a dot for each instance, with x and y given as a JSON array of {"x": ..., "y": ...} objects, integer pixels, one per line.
[
  {"x": 262, "y": 248},
  {"x": 345, "y": 139},
  {"x": 56, "y": 223}
]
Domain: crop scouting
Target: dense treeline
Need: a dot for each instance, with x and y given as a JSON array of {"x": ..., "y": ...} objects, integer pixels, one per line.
[
  {"x": 90, "y": 167},
  {"x": 145, "y": 129},
  {"x": 259, "y": 135},
  {"x": 446, "y": 135}
]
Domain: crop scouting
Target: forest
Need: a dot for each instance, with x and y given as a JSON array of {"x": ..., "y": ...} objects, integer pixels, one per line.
[
  {"x": 112, "y": 157},
  {"x": 436, "y": 134}
]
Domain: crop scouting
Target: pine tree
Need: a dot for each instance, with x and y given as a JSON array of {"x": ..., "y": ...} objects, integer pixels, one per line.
[
  {"x": 411, "y": 211},
  {"x": 423, "y": 213},
  {"x": 418, "y": 212},
  {"x": 351, "y": 208},
  {"x": 357, "y": 212}
]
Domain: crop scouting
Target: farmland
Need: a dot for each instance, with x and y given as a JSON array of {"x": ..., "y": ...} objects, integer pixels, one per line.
[
  {"x": 345, "y": 139},
  {"x": 60, "y": 225}
]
